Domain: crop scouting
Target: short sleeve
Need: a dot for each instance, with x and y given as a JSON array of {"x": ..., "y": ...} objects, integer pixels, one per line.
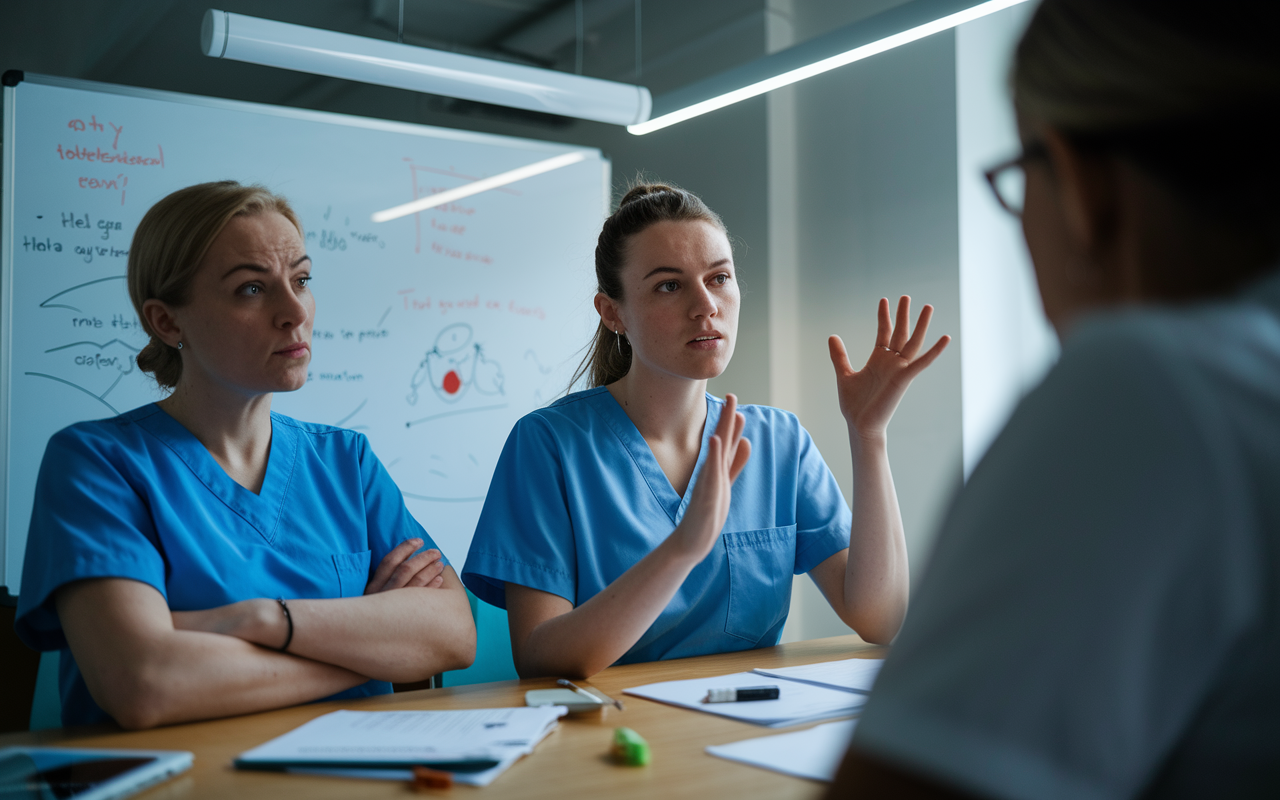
[
  {"x": 1086, "y": 590},
  {"x": 823, "y": 518},
  {"x": 525, "y": 534},
  {"x": 87, "y": 521},
  {"x": 387, "y": 518}
]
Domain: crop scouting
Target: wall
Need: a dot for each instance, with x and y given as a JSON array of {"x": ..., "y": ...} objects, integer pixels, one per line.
[
  {"x": 1006, "y": 343},
  {"x": 877, "y": 190}
]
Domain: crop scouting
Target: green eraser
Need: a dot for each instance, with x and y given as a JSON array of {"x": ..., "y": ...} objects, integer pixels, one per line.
[{"x": 630, "y": 747}]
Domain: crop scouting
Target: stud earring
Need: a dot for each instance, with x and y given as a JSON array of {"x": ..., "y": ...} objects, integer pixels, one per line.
[{"x": 179, "y": 345}]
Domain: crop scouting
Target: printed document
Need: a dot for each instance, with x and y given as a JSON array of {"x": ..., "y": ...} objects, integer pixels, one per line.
[
  {"x": 476, "y": 742},
  {"x": 797, "y": 702},
  {"x": 851, "y": 674},
  {"x": 814, "y": 754}
]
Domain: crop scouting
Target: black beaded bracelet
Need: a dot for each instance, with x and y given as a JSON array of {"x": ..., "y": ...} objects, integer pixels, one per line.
[{"x": 288, "y": 618}]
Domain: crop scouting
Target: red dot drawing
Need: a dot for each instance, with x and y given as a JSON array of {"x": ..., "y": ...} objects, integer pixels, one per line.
[
  {"x": 454, "y": 366},
  {"x": 452, "y": 383}
]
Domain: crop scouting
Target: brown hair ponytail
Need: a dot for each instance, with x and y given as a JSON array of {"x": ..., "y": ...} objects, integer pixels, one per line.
[{"x": 609, "y": 354}]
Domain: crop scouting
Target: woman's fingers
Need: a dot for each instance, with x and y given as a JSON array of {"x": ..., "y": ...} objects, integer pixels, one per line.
[
  {"x": 724, "y": 426},
  {"x": 902, "y": 326},
  {"x": 918, "y": 336},
  {"x": 925, "y": 360},
  {"x": 840, "y": 356},
  {"x": 407, "y": 573},
  {"x": 740, "y": 459},
  {"x": 428, "y": 571},
  {"x": 390, "y": 562},
  {"x": 709, "y": 479},
  {"x": 884, "y": 325},
  {"x": 739, "y": 423}
]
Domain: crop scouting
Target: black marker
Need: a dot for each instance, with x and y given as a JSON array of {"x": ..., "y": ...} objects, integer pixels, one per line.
[{"x": 742, "y": 695}]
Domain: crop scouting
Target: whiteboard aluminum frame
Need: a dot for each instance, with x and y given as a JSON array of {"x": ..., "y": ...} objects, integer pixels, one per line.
[{"x": 8, "y": 161}]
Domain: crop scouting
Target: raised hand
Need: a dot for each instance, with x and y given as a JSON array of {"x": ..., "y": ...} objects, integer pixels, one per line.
[
  {"x": 869, "y": 396},
  {"x": 401, "y": 568},
  {"x": 727, "y": 454}
]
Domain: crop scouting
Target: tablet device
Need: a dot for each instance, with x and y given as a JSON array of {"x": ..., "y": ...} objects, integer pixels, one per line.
[{"x": 28, "y": 773}]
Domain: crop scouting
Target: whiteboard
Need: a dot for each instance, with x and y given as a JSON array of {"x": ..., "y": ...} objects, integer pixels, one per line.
[{"x": 433, "y": 334}]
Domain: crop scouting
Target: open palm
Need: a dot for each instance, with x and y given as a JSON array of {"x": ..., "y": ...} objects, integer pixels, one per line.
[{"x": 869, "y": 396}]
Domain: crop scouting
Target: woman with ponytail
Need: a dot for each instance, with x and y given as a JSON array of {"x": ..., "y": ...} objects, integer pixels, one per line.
[
  {"x": 645, "y": 519},
  {"x": 203, "y": 556}
]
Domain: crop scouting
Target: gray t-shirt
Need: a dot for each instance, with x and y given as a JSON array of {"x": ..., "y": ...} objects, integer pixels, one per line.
[{"x": 1101, "y": 616}]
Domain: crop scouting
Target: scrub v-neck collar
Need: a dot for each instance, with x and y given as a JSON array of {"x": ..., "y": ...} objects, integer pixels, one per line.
[
  {"x": 642, "y": 455},
  {"x": 262, "y": 510}
]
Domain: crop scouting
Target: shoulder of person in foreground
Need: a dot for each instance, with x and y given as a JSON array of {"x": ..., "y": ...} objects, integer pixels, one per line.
[{"x": 1099, "y": 583}]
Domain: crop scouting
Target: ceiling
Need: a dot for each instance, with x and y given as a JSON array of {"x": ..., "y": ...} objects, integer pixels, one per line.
[{"x": 154, "y": 43}]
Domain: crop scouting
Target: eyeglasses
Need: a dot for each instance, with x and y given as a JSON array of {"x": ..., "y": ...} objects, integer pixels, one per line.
[{"x": 1009, "y": 180}]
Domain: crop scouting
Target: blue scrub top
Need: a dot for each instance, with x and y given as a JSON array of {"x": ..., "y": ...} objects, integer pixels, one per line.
[
  {"x": 578, "y": 498},
  {"x": 139, "y": 497}
]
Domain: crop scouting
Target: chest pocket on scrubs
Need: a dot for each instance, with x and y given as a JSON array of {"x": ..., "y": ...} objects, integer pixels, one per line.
[
  {"x": 760, "y": 570},
  {"x": 353, "y": 572}
]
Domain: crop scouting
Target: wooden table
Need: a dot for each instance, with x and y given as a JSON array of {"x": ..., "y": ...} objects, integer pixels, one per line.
[{"x": 571, "y": 762}]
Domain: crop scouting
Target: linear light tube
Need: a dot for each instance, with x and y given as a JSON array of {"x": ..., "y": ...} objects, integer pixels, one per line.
[
  {"x": 420, "y": 69},
  {"x": 482, "y": 185},
  {"x": 818, "y": 67}
]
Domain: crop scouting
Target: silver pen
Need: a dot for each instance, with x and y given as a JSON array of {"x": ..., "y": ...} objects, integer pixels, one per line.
[{"x": 602, "y": 695}]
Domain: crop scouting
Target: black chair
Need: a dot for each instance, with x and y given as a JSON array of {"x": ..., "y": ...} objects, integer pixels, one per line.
[{"x": 19, "y": 666}]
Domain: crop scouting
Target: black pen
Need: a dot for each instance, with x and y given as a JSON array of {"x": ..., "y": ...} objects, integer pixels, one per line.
[{"x": 741, "y": 695}]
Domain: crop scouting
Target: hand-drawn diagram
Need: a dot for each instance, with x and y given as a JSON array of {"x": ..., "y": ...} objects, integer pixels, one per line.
[
  {"x": 451, "y": 219},
  {"x": 105, "y": 342},
  {"x": 454, "y": 365}
]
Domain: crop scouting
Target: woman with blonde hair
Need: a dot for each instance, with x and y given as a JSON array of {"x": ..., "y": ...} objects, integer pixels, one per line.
[
  {"x": 203, "y": 556},
  {"x": 1101, "y": 617}
]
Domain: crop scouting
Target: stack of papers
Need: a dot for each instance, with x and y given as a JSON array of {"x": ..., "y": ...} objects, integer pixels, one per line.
[
  {"x": 814, "y": 754},
  {"x": 817, "y": 752},
  {"x": 851, "y": 674},
  {"x": 475, "y": 745},
  {"x": 797, "y": 702}
]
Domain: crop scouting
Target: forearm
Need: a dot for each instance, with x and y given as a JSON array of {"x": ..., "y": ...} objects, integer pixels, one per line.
[
  {"x": 401, "y": 635},
  {"x": 876, "y": 579},
  {"x": 597, "y": 633},
  {"x": 183, "y": 676}
]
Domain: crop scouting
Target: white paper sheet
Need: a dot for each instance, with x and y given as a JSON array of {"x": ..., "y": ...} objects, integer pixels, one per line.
[
  {"x": 797, "y": 702},
  {"x": 349, "y": 739},
  {"x": 851, "y": 674},
  {"x": 814, "y": 754}
]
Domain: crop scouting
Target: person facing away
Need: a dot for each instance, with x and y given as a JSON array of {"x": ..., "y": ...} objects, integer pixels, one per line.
[
  {"x": 1101, "y": 616},
  {"x": 614, "y": 530},
  {"x": 203, "y": 556}
]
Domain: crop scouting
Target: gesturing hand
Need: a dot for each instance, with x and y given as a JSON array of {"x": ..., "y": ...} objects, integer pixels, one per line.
[
  {"x": 727, "y": 454},
  {"x": 869, "y": 396},
  {"x": 400, "y": 568}
]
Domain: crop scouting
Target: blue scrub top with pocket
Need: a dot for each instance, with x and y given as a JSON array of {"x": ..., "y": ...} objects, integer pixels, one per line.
[
  {"x": 578, "y": 498},
  {"x": 139, "y": 497}
]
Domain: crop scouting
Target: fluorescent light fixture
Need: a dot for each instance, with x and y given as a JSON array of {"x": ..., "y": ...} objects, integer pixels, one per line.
[
  {"x": 483, "y": 185},
  {"x": 819, "y": 66},
  {"x": 419, "y": 69}
]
